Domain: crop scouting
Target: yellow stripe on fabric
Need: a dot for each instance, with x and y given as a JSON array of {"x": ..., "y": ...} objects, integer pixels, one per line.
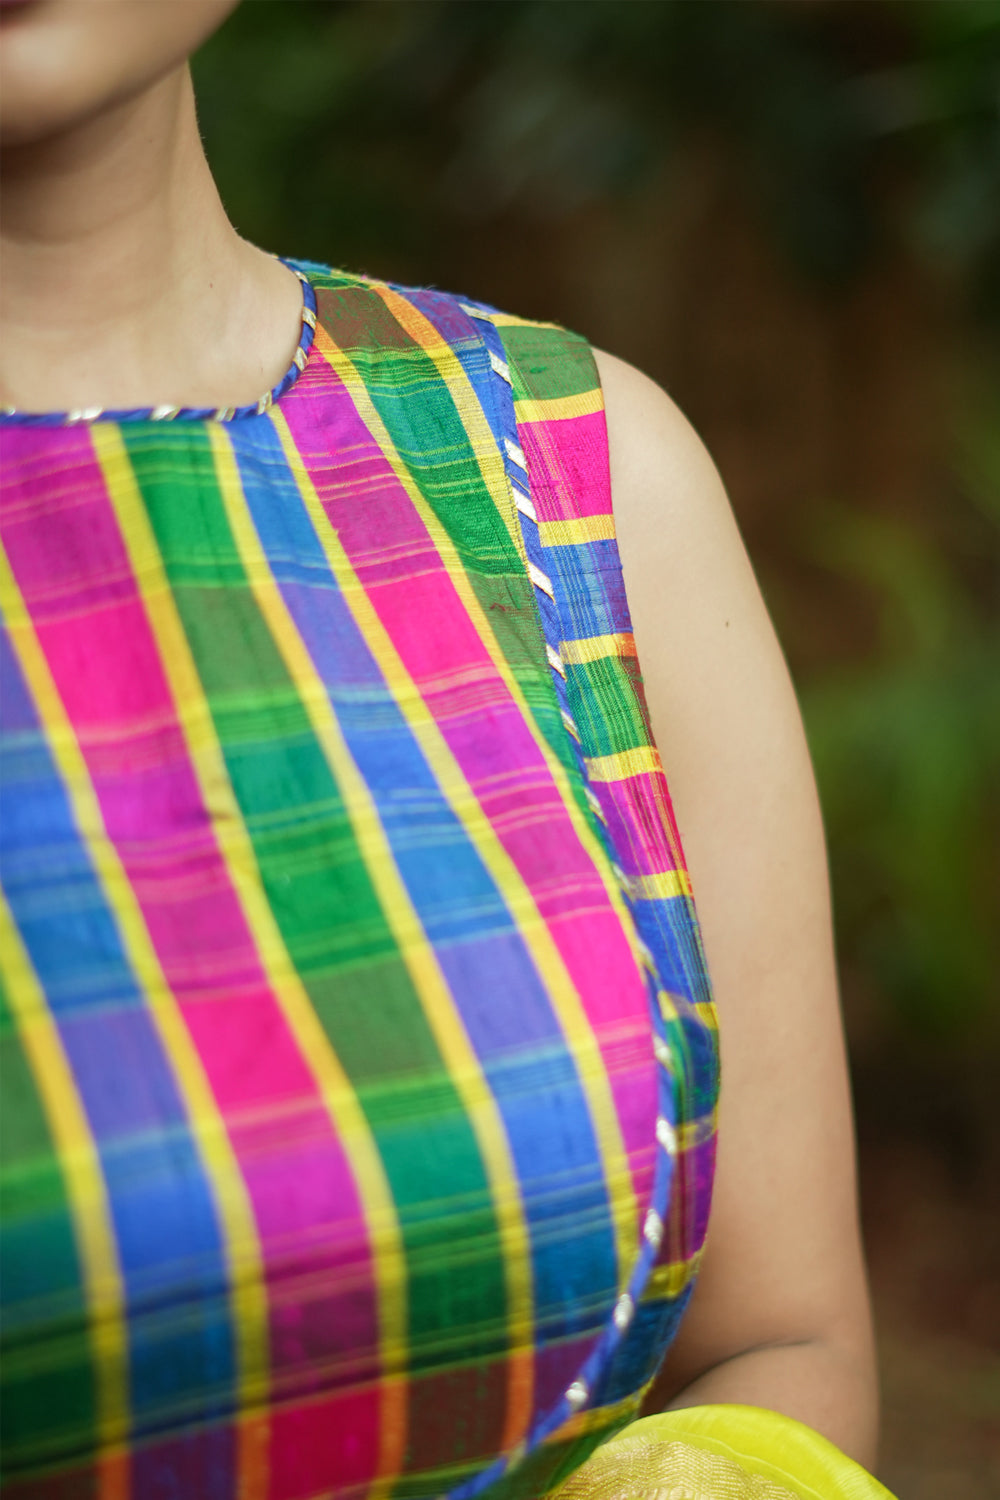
[
  {"x": 597, "y": 648},
  {"x": 80, "y": 1167},
  {"x": 332, "y": 1083},
  {"x": 696, "y": 1132},
  {"x": 559, "y": 408},
  {"x": 518, "y": 897},
  {"x": 466, "y": 807},
  {"x": 623, "y": 764},
  {"x": 667, "y": 1281},
  {"x": 600, "y": 1419},
  {"x": 477, "y": 429},
  {"x": 704, "y": 1011},
  {"x": 207, "y": 1128},
  {"x": 510, "y": 320},
  {"x": 578, "y": 531},
  {"x": 673, "y": 1007},
  {"x": 662, "y": 886},
  {"x": 401, "y": 917}
]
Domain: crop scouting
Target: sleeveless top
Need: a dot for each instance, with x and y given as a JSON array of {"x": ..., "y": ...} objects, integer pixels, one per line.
[{"x": 359, "y": 1061}]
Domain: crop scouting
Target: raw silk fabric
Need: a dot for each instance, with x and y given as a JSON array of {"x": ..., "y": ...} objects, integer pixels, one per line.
[
  {"x": 359, "y": 1062},
  {"x": 720, "y": 1453}
]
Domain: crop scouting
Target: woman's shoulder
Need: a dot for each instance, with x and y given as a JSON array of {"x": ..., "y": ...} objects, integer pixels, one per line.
[
  {"x": 783, "y": 1261},
  {"x": 365, "y": 307},
  {"x": 700, "y": 622},
  {"x": 782, "y": 1268},
  {"x": 545, "y": 358},
  {"x": 667, "y": 497}
]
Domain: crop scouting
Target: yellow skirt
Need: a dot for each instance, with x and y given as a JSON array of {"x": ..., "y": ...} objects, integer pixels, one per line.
[{"x": 720, "y": 1453}]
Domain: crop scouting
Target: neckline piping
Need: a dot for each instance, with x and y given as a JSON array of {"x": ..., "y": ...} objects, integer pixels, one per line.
[{"x": 83, "y": 416}]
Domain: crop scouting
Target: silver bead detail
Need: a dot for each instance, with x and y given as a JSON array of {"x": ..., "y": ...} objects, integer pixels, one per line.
[
  {"x": 662, "y": 1053},
  {"x": 571, "y": 728},
  {"x": 555, "y": 660},
  {"x": 577, "y": 1394},
  {"x": 624, "y": 1311},
  {"x": 163, "y": 413},
  {"x": 595, "y": 805},
  {"x": 501, "y": 367},
  {"x": 652, "y": 1230},
  {"x": 523, "y": 503},
  {"x": 540, "y": 580},
  {"x": 666, "y": 1135},
  {"x": 515, "y": 454}
]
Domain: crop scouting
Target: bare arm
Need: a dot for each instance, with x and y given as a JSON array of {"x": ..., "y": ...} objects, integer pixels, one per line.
[{"x": 780, "y": 1316}]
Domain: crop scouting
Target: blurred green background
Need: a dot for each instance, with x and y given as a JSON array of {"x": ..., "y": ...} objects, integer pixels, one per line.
[{"x": 788, "y": 212}]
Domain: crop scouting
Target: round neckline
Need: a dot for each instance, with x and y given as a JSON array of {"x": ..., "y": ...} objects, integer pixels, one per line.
[{"x": 14, "y": 416}]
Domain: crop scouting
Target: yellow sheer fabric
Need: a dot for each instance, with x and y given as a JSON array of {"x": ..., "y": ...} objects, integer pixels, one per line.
[{"x": 720, "y": 1453}]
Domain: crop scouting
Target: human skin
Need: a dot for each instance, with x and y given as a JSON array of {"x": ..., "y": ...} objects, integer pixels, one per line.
[
  {"x": 780, "y": 1314},
  {"x": 125, "y": 285}
]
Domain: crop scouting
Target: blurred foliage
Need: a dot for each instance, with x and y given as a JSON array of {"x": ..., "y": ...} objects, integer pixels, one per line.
[
  {"x": 907, "y": 754},
  {"x": 369, "y": 123},
  {"x": 373, "y": 129},
  {"x": 907, "y": 749}
]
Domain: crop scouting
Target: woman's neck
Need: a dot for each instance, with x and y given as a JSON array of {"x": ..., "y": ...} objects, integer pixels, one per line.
[{"x": 123, "y": 282}]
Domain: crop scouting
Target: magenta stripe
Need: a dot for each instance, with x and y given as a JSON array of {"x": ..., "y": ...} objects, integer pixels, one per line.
[
  {"x": 65, "y": 549},
  {"x": 506, "y": 770},
  {"x": 641, "y": 819},
  {"x": 568, "y": 478}
]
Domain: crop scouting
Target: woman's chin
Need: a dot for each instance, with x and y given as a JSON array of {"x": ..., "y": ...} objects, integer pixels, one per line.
[{"x": 62, "y": 62}]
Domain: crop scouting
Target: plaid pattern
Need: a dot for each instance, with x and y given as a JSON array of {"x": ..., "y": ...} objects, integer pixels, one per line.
[{"x": 358, "y": 1056}]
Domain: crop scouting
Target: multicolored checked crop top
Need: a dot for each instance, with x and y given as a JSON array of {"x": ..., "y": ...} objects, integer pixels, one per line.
[{"x": 359, "y": 1062}]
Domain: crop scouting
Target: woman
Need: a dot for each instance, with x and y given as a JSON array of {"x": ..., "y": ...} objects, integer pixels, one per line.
[{"x": 360, "y": 1058}]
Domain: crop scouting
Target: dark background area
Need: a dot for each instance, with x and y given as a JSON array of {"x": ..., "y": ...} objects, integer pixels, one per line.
[{"x": 788, "y": 212}]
